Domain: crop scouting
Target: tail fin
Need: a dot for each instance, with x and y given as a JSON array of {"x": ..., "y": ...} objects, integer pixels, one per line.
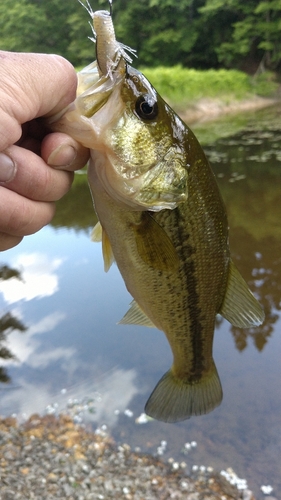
[{"x": 174, "y": 399}]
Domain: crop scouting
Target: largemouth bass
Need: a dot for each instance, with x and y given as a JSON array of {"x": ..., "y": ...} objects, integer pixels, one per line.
[{"x": 161, "y": 218}]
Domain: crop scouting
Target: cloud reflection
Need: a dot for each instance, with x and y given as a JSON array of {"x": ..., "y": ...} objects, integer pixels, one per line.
[
  {"x": 24, "y": 346},
  {"x": 38, "y": 278},
  {"x": 105, "y": 396}
]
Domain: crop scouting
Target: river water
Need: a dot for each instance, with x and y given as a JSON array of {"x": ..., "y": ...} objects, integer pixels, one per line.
[{"x": 58, "y": 315}]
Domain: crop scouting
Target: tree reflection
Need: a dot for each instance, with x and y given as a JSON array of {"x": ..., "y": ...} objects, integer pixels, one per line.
[
  {"x": 76, "y": 209},
  {"x": 7, "y": 272},
  {"x": 254, "y": 210},
  {"x": 8, "y": 323},
  {"x": 260, "y": 264}
]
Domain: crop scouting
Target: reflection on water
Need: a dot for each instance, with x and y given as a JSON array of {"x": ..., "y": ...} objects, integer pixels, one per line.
[
  {"x": 8, "y": 323},
  {"x": 38, "y": 278},
  {"x": 248, "y": 170},
  {"x": 99, "y": 401},
  {"x": 60, "y": 345}
]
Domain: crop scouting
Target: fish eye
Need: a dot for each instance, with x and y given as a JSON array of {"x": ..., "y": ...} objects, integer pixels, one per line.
[{"x": 146, "y": 107}]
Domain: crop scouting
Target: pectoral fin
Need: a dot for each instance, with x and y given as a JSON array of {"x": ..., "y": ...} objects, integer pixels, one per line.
[
  {"x": 136, "y": 316},
  {"x": 240, "y": 307},
  {"x": 96, "y": 235},
  {"x": 99, "y": 235},
  {"x": 154, "y": 245}
]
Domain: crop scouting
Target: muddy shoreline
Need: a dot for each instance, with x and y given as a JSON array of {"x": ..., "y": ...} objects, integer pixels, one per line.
[{"x": 210, "y": 109}]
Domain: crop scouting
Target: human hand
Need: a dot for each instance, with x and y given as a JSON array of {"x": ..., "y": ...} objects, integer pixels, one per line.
[{"x": 36, "y": 167}]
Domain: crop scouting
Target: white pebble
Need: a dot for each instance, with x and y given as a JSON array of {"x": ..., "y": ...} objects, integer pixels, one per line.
[
  {"x": 142, "y": 419},
  {"x": 184, "y": 485},
  {"x": 77, "y": 419},
  {"x": 128, "y": 413},
  {"x": 232, "y": 478},
  {"x": 266, "y": 489},
  {"x": 241, "y": 484}
]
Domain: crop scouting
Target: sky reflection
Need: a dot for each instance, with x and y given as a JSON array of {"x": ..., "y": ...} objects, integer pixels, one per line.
[{"x": 38, "y": 277}]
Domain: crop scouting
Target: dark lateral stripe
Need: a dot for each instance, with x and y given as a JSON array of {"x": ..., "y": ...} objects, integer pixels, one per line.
[{"x": 187, "y": 255}]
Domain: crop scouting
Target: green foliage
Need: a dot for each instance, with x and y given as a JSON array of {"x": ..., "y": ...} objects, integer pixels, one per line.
[
  {"x": 202, "y": 34},
  {"x": 17, "y": 22},
  {"x": 265, "y": 84},
  {"x": 254, "y": 31},
  {"x": 181, "y": 85}
]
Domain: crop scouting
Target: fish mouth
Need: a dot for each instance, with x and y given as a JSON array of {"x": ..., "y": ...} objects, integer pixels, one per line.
[{"x": 94, "y": 90}]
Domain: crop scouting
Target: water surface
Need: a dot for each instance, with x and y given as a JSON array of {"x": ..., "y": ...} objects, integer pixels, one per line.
[{"x": 60, "y": 345}]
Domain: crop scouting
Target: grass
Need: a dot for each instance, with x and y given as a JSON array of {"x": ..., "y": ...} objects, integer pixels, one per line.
[{"x": 181, "y": 86}]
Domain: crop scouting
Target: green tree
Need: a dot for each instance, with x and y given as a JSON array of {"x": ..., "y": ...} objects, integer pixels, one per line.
[
  {"x": 55, "y": 36},
  {"x": 20, "y": 25},
  {"x": 36, "y": 25},
  {"x": 252, "y": 31},
  {"x": 164, "y": 32},
  {"x": 194, "y": 33}
]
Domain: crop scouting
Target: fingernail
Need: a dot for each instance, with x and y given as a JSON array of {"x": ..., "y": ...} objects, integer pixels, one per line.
[
  {"x": 7, "y": 168},
  {"x": 63, "y": 156}
]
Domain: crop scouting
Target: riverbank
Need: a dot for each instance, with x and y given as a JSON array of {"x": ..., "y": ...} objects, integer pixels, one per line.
[
  {"x": 204, "y": 95},
  {"x": 205, "y": 110},
  {"x": 52, "y": 458}
]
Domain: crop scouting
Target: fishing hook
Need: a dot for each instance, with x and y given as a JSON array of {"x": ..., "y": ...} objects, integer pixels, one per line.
[{"x": 110, "y": 7}]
